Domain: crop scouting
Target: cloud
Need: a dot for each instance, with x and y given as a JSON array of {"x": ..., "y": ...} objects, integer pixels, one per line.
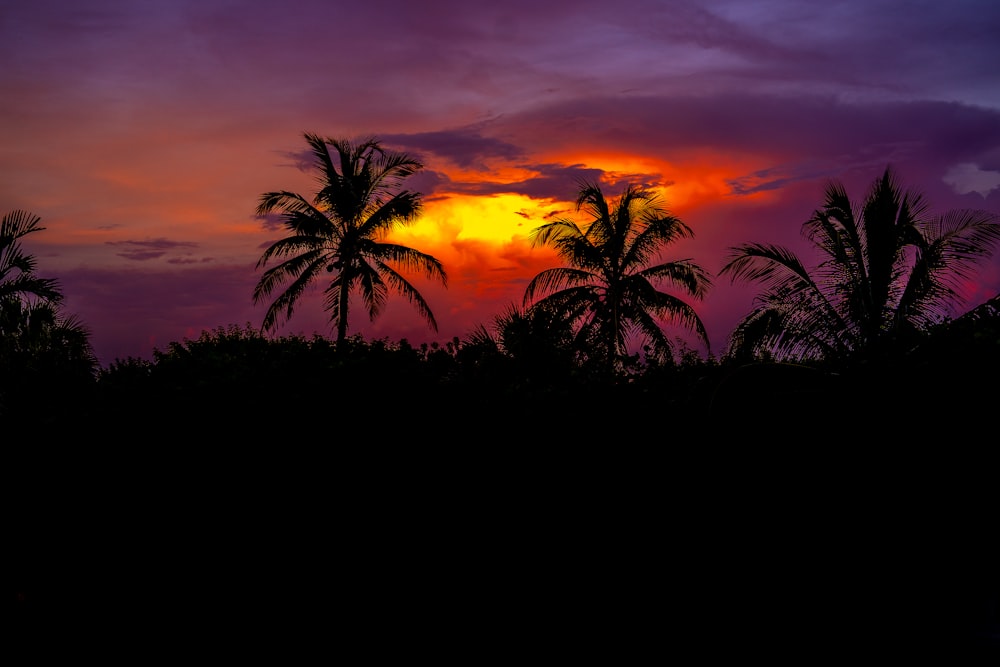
[
  {"x": 967, "y": 177},
  {"x": 141, "y": 251},
  {"x": 271, "y": 222},
  {"x": 466, "y": 147}
]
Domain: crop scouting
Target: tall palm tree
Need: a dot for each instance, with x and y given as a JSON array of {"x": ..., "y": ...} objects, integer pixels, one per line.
[
  {"x": 610, "y": 288},
  {"x": 343, "y": 230},
  {"x": 888, "y": 273}
]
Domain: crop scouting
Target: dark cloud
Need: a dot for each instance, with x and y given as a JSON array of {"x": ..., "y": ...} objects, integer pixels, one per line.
[
  {"x": 429, "y": 182},
  {"x": 141, "y": 251},
  {"x": 272, "y": 222},
  {"x": 818, "y": 127},
  {"x": 141, "y": 255},
  {"x": 160, "y": 243},
  {"x": 467, "y": 148},
  {"x": 775, "y": 178},
  {"x": 809, "y": 138},
  {"x": 553, "y": 181}
]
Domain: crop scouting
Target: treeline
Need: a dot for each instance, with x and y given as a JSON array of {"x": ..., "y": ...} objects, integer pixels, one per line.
[
  {"x": 860, "y": 346},
  {"x": 235, "y": 380}
]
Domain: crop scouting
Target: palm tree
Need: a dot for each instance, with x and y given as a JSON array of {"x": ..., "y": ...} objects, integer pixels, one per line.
[
  {"x": 889, "y": 273},
  {"x": 37, "y": 335},
  {"x": 610, "y": 288},
  {"x": 42, "y": 353},
  {"x": 343, "y": 231},
  {"x": 521, "y": 345},
  {"x": 18, "y": 281}
]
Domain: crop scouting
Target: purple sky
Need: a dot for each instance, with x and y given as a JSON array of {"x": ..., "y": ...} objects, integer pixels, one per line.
[{"x": 143, "y": 132}]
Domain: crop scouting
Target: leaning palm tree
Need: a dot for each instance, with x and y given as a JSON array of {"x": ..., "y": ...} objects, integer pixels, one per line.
[
  {"x": 610, "y": 290},
  {"x": 343, "y": 231},
  {"x": 888, "y": 273}
]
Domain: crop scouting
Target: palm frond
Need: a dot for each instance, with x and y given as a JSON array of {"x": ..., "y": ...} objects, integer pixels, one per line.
[
  {"x": 410, "y": 260},
  {"x": 302, "y": 273},
  {"x": 283, "y": 200},
  {"x": 403, "y": 208},
  {"x": 684, "y": 273},
  {"x": 551, "y": 232},
  {"x": 17, "y": 224},
  {"x": 27, "y": 285},
  {"x": 552, "y": 280},
  {"x": 766, "y": 263},
  {"x": 656, "y": 231},
  {"x": 955, "y": 244},
  {"x": 289, "y": 269},
  {"x": 371, "y": 287},
  {"x": 667, "y": 307},
  {"x": 410, "y": 293},
  {"x": 17, "y": 268}
]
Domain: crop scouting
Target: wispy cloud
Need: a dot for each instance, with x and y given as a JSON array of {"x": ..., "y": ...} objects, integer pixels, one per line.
[{"x": 151, "y": 249}]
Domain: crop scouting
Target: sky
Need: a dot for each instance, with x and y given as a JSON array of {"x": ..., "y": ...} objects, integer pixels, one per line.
[{"x": 143, "y": 132}]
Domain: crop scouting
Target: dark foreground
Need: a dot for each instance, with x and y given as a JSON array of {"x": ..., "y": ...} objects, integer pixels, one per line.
[
  {"x": 757, "y": 520},
  {"x": 615, "y": 549}
]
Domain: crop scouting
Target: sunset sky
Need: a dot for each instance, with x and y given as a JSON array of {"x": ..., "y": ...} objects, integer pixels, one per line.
[{"x": 143, "y": 133}]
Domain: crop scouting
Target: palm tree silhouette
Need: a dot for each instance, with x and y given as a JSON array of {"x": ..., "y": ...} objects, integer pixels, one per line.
[
  {"x": 610, "y": 290},
  {"x": 889, "y": 272},
  {"x": 41, "y": 352},
  {"x": 18, "y": 281},
  {"x": 343, "y": 231},
  {"x": 524, "y": 346},
  {"x": 532, "y": 334},
  {"x": 37, "y": 335},
  {"x": 30, "y": 321}
]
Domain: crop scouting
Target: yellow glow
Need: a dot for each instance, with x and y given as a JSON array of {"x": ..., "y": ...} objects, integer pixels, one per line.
[
  {"x": 508, "y": 219},
  {"x": 498, "y": 219}
]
